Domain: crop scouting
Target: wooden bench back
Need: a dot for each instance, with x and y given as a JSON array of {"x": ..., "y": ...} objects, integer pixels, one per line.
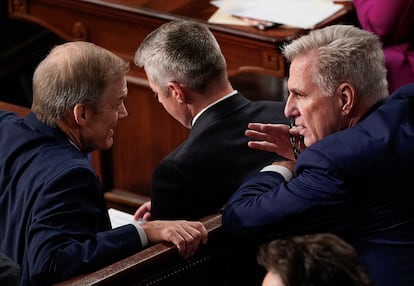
[{"x": 19, "y": 110}]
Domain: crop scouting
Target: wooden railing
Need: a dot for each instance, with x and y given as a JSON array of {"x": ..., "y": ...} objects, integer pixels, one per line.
[
  {"x": 221, "y": 262},
  {"x": 19, "y": 110},
  {"x": 159, "y": 264}
]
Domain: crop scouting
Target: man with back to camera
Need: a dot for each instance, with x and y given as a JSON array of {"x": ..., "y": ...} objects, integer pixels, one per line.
[{"x": 188, "y": 74}]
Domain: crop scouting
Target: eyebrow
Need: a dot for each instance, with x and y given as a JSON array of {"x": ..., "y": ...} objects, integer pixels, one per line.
[{"x": 295, "y": 90}]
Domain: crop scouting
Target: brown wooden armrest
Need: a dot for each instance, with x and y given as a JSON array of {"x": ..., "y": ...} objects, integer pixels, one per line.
[
  {"x": 140, "y": 266},
  {"x": 19, "y": 110}
]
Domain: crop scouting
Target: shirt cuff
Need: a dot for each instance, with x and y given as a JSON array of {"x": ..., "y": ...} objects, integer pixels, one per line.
[
  {"x": 285, "y": 172},
  {"x": 141, "y": 232}
]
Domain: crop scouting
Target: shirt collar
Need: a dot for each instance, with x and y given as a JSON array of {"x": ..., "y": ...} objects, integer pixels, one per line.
[{"x": 210, "y": 105}]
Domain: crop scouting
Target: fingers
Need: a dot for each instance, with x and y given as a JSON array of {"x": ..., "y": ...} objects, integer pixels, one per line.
[
  {"x": 147, "y": 216},
  {"x": 188, "y": 238},
  {"x": 256, "y": 126},
  {"x": 262, "y": 145},
  {"x": 260, "y": 140},
  {"x": 294, "y": 131},
  {"x": 270, "y": 138},
  {"x": 267, "y": 132},
  {"x": 186, "y": 235},
  {"x": 143, "y": 212},
  {"x": 256, "y": 135},
  {"x": 268, "y": 127}
]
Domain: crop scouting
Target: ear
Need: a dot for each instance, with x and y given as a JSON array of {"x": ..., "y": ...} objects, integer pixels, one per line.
[
  {"x": 346, "y": 94},
  {"x": 80, "y": 114},
  {"x": 177, "y": 90}
]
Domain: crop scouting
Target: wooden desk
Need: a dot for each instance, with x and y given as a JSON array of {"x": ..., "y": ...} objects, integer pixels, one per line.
[{"x": 149, "y": 133}]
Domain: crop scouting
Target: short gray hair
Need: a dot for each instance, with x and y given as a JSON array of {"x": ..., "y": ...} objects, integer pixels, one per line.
[
  {"x": 182, "y": 51},
  {"x": 73, "y": 73},
  {"x": 345, "y": 54}
]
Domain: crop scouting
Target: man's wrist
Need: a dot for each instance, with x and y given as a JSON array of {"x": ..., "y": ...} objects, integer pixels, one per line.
[
  {"x": 141, "y": 232},
  {"x": 285, "y": 172}
]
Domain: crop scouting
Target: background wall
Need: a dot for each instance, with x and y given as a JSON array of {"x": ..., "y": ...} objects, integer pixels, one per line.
[{"x": 22, "y": 46}]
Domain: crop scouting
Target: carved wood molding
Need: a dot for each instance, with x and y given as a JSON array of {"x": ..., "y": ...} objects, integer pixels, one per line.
[
  {"x": 79, "y": 31},
  {"x": 18, "y": 6}
]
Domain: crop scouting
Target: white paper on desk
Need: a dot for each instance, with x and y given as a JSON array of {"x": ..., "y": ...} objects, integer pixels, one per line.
[
  {"x": 221, "y": 17},
  {"x": 297, "y": 13},
  {"x": 119, "y": 218},
  {"x": 219, "y": 3}
]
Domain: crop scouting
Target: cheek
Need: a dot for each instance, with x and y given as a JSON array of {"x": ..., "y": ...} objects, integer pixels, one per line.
[
  {"x": 169, "y": 108},
  {"x": 322, "y": 118},
  {"x": 314, "y": 126},
  {"x": 109, "y": 118},
  {"x": 107, "y": 122},
  {"x": 324, "y": 125},
  {"x": 272, "y": 279}
]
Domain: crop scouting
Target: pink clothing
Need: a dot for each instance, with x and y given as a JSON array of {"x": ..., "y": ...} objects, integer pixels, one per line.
[{"x": 393, "y": 22}]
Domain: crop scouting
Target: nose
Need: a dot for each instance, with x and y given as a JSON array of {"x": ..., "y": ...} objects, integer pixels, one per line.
[
  {"x": 289, "y": 107},
  {"x": 122, "y": 111}
]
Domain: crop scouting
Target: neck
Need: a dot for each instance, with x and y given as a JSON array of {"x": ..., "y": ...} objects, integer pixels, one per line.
[
  {"x": 213, "y": 94},
  {"x": 359, "y": 112},
  {"x": 72, "y": 133}
]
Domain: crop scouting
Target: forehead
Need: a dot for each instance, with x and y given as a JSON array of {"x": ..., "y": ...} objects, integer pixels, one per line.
[
  {"x": 116, "y": 88},
  {"x": 301, "y": 73}
]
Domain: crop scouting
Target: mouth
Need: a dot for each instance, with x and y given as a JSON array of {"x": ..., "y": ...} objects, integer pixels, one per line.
[{"x": 300, "y": 129}]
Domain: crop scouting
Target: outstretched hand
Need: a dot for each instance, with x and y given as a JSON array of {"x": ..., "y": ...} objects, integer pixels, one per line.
[
  {"x": 270, "y": 138},
  {"x": 186, "y": 235}
]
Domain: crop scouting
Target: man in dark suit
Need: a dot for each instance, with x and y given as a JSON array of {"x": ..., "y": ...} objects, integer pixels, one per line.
[
  {"x": 354, "y": 177},
  {"x": 53, "y": 218},
  {"x": 187, "y": 72}
]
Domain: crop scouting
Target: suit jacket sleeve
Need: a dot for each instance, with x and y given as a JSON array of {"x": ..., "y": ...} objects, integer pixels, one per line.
[
  {"x": 314, "y": 200},
  {"x": 171, "y": 197},
  {"x": 70, "y": 232}
]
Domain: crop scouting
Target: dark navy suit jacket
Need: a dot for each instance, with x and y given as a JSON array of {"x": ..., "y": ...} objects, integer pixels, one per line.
[
  {"x": 357, "y": 183},
  {"x": 198, "y": 177},
  {"x": 53, "y": 218}
]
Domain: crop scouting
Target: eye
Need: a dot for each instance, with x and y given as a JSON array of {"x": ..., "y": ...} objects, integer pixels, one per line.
[
  {"x": 119, "y": 103},
  {"x": 296, "y": 94}
]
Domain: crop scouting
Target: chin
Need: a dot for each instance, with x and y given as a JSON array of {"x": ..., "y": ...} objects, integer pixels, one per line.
[{"x": 108, "y": 144}]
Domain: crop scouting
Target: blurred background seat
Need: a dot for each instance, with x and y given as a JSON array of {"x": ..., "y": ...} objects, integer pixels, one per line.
[
  {"x": 23, "y": 45},
  {"x": 257, "y": 85}
]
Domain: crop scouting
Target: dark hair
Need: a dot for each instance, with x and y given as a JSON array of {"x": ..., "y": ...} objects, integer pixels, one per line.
[{"x": 313, "y": 260}]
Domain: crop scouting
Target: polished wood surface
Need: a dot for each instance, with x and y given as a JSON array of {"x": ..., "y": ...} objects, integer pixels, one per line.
[
  {"x": 147, "y": 265},
  {"x": 149, "y": 133},
  {"x": 19, "y": 110}
]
